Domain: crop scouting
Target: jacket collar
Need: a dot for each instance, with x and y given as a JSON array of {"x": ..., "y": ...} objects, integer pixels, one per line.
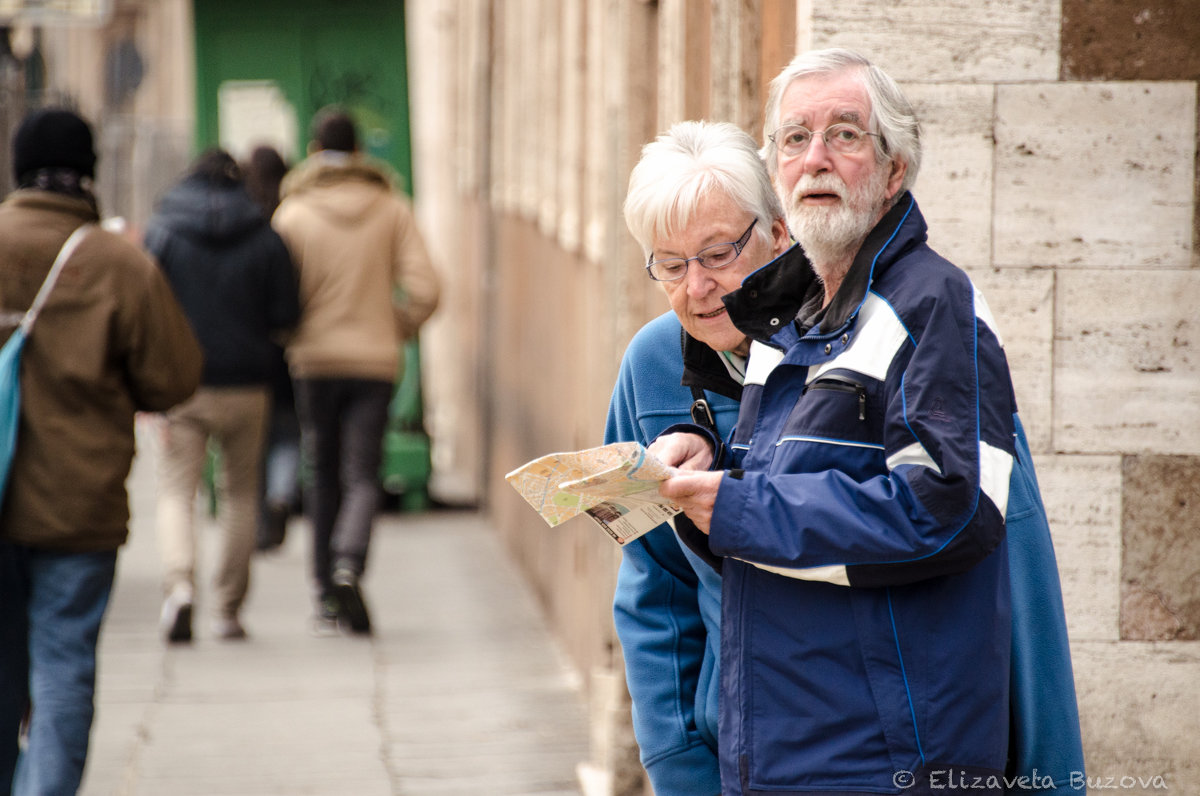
[
  {"x": 326, "y": 168},
  {"x": 772, "y": 296},
  {"x": 703, "y": 368},
  {"x": 35, "y": 199}
]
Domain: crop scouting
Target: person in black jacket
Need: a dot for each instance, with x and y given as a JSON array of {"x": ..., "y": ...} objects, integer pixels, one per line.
[{"x": 234, "y": 277}]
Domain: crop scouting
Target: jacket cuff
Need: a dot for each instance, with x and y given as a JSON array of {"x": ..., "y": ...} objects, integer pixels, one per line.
[{"x": 718, "y": 447}]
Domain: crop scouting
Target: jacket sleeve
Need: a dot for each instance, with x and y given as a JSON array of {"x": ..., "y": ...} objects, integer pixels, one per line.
[
  {"x": 163, "y": 360},
  {"x": 938, "y": 505},
  {"x": 658, "y": 621},
  {"x": 417, "y": 286}
]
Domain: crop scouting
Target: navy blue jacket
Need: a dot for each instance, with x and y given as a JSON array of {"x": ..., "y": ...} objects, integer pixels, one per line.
[
  {"x": 231, "y": 272},
  {"x": 666, "y": 605},
  {"x": 866, "y": 625}
]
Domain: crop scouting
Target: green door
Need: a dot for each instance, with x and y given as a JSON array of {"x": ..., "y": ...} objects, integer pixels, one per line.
[
  {"x": 263, "y": 69},
  {"x": 307, "y": 54}
]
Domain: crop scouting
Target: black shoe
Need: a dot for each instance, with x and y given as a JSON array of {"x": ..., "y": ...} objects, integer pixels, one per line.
[
  {"x": 176, "y": 619},
  {"x": 273, "y": 529},
  {"x": 352, "y": 611}
]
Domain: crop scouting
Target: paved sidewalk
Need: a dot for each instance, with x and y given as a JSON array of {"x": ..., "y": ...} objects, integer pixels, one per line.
[{"x": 460, "y": 690}]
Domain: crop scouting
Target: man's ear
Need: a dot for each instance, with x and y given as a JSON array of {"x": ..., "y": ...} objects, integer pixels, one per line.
[
  {"x": 781, "y": 239},
  {"x": 896, "y": 178}
]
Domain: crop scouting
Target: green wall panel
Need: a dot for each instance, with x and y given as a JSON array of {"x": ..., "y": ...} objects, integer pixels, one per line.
[{"x": 318, "y": 52}]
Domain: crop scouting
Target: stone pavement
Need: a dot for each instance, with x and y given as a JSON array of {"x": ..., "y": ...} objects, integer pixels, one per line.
[{"x": 460, "y": 690}]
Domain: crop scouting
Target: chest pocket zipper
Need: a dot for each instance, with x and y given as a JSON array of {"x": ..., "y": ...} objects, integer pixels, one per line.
[{"x": 842, "y": 384}]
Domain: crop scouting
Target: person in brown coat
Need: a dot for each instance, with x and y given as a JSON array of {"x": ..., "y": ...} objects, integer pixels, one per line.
[{"x": 111, "y": 341}]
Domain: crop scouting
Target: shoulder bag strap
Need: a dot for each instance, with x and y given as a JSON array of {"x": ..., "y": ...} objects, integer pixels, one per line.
[
  {"x": 43, "y": 293},
  {"x": 702, "y": 414}
]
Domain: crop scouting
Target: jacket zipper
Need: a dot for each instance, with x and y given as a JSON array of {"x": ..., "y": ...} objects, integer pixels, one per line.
[{"x": 842, "y": 384}]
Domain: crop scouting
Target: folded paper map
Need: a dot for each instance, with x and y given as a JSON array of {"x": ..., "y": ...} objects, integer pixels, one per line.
[{"x": 616, "y": 485}]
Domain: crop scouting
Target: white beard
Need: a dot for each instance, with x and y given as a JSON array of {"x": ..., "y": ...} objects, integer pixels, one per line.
[{"x": 832, "y": 234}]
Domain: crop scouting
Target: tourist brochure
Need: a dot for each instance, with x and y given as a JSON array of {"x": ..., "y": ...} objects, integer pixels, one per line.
[{"x": 615, "y": 485}]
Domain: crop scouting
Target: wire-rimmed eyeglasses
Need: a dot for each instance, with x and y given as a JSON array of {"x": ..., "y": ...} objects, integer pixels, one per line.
[
  {"x": 793, "y": 139},
  {"x": 713, "y": 258}
]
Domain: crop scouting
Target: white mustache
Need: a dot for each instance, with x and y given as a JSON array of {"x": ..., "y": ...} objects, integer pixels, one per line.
[{"x": 825, "y": 183}]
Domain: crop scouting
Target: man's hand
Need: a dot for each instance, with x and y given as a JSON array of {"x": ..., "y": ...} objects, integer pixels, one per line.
[
  {"x": 683, "y": 450},
  {"x": 694, "y": 492}
]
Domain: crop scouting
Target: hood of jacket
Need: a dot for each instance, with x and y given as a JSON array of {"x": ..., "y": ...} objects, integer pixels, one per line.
[
  {"x": 341, "y": 186},
  {"x": 198, "y": 209}
]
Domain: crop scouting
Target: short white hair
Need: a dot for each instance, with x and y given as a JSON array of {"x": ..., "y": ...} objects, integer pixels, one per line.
[
  {"x": 892, "y": 116},
  {"x": 689, "y": 162}
]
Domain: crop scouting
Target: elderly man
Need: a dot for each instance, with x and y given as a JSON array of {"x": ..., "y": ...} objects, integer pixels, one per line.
[
  {"x": 866, "y": 598},
  {"x": 702, "y": 207}
]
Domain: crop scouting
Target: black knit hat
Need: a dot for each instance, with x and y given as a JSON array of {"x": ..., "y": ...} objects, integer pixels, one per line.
[{"x": 53, "y": 138}]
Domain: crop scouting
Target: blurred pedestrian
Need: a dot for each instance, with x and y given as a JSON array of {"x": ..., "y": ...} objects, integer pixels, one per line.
[
  {"x": 366, "y": 286},
  {"x": 280, "y": 494},
  {"x": 234, "y": 277},
  {"x": 263, "y": 172},
  {"x": 111, "y": 341}
]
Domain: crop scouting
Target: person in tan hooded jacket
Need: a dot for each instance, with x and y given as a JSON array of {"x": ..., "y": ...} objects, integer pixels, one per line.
[{"x": 366, "y": 286}]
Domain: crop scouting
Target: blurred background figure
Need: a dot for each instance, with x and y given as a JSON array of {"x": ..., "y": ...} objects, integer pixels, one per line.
[
  {"x": 264, "y": 171},
  {"x": 234, "y": 278},
  {"x": 367, "y": 286},
  {"x": 111, "y": 340}
]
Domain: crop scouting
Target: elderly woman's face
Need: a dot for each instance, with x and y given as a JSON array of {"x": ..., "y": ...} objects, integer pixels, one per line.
[{"x": 696, "y": 298}]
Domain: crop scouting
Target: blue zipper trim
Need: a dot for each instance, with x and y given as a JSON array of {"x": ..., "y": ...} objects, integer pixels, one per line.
[{"x": 904, "y": 674}]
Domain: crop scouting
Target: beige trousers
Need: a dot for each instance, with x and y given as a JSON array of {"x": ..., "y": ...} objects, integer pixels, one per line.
[{"x": 235, "y": 418}]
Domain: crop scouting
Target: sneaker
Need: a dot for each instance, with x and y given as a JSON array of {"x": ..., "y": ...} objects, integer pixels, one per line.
[
  {"x": 228, "y": 628},
  {"x": 352, "y": 611},
  {"x": 176, "y": 617}
]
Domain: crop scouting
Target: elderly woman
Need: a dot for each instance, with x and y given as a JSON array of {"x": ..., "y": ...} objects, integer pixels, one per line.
[{"x": 702, "y": 207}]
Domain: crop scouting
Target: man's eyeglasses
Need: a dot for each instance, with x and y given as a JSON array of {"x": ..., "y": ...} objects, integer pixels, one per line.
[
  {"x": 712, "y": 257},
  {"x": 793, "y": 139}
]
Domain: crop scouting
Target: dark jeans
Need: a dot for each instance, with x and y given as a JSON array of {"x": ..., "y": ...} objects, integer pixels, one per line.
[
  {"x": 52, "y": 607},
  {"x": 341, "y": 427}
]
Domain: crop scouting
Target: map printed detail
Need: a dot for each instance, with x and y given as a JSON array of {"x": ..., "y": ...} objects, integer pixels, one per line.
[{"x": 615, "y": 485}]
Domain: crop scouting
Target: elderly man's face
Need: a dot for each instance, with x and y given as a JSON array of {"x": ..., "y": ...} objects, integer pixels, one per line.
[
  {"x": 832, "y": 199},
  {"x": 696, "y": 298}
]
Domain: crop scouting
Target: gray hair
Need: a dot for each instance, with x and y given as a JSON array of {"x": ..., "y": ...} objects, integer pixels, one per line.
[
  {"x": 892, "y": 116},
  {"x": 687, "y": 163}
]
